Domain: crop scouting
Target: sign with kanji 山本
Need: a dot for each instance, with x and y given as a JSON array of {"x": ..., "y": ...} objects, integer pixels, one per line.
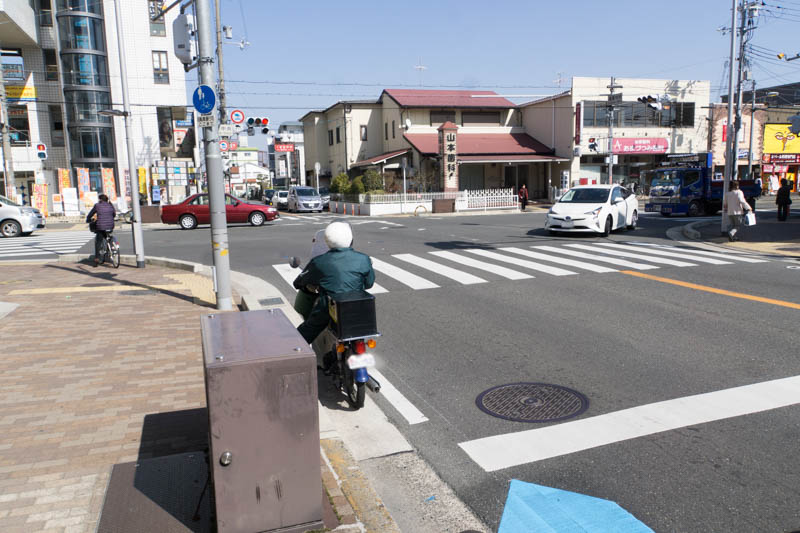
[{"x": 448, "y": 152}]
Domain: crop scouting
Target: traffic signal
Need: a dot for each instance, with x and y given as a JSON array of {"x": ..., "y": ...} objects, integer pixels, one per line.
[
  {"x": 261, "y": 123},
  {"x": 650, "y": 101},
  {"x": 795, "y": 127},
  {"x": 41, "y": 151}
]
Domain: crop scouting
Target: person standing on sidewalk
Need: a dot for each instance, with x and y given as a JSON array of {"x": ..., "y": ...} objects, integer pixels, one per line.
[
  {"x": 737, "y": 206},
  {"x": 783, "y": 200},
  {"x": 523, "y": 196},
  {"x": 103, "y": 213}
]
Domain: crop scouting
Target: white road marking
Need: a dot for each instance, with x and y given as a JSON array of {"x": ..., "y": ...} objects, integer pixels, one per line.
[
  {"x": 396, "y": 398},
  {"x": 559, "y": 260},
  {"x": 512, "y": 449},
  {"x": 665, "y": 253},
  {"x": 732, "y": 257},
  {"x": 481, "y": 265},
  {"x": 457, "y": 275},
  {"x": 620, "y": 262},
  {"x": 555, "y": 271},
  {"x": 633, "y": 255},
  {"x": 289, "y": 274},
  {"x": 403, "y": 276}
]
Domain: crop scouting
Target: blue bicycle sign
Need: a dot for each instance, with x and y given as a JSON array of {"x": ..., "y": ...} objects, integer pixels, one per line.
[{"x": 204, "y": 99}]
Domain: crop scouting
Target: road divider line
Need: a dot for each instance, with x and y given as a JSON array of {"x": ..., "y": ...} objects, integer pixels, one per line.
[
  {"x": 398, "y": 401},
  {"x": 512, "y": 449},
  {"x": 714, "y": 290}
]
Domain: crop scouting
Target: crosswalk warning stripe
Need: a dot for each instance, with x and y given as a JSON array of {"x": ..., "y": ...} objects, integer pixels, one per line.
[
  {"x": 620, "y": 262},
  {"x": 403, "y": 276},
  {"x": 559, "y": 260},
  {"x": 481, "y": 265},
  {"x": 555, "y": 271},
  {"x": 633, "y": 255},
  {"x": 665, "y": 253},
  {"x": 457, "y": 275}
]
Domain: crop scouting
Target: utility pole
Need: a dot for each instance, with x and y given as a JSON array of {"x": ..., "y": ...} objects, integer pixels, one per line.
[
  {"x": 223, "y": 118},
  {"x": 737, "y": 126},
  {"x": 216, "y": 187},
  {"x": 729, "y": 142},
  {"x": 611, "y": 129},
  {"x": 752, "y": 130},
  {"x": 8, "y": 160},
  {"x": 138, "y": 244}
]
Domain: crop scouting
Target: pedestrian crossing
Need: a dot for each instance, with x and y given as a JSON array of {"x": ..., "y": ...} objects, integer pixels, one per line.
[
  {"x": 40, "y": 246},
  {"x": 431, "y": 270},
  {"x": 326, "y": 218}
]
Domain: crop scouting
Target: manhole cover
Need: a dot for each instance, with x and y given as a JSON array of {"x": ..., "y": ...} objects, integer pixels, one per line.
[
  {"x": 270, "y": 301},
  {"x": 148, "y": 292},
  {"x": 532, "y": 402}
]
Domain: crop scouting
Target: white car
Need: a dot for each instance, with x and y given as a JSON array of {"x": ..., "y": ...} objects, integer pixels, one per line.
[
  {"x": 280, "y": 199},
  {"x": 594, "y": 209},
  {"x": 18, "y": 220}
]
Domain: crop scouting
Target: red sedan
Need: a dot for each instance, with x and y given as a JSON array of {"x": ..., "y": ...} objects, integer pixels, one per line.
[{"x": 195, "y": 210}]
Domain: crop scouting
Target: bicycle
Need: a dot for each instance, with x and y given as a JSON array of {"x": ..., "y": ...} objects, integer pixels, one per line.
[{"x": 110, "y": 249}]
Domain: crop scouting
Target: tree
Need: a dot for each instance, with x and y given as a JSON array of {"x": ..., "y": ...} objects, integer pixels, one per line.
[
  {"x": 373, "y": 181},
  {"x": 357, "y": 186},
  {"x": 340, "y": 184}
]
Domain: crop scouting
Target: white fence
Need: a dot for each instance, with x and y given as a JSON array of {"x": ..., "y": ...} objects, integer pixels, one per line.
[{"x": 385, "y": 204}]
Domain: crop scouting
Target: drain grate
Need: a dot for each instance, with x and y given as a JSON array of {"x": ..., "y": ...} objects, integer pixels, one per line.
[
  {"x": 148, "y": 292},
  {"x": 532, "y": 402},
  {"x": 270, "y": 301}
]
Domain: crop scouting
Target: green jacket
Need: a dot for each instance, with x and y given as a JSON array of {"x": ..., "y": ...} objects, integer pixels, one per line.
[{"x": 337, "y": 271}]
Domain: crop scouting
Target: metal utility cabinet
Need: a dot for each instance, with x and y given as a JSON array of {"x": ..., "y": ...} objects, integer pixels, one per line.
[{"x": 261, "y": 391}]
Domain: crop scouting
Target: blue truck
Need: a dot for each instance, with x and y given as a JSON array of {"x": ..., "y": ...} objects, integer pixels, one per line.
[{"x": 691, "y": 191}]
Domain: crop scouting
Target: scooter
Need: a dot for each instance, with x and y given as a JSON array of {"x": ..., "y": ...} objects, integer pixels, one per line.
[{"x": 346, "y": 357}]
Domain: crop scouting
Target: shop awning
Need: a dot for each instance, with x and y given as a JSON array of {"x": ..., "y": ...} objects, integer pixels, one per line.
[
  {"x": 531, "y": 158},
  {"x": 378, "y": 159},
  {"x": 482, "y": 144}
]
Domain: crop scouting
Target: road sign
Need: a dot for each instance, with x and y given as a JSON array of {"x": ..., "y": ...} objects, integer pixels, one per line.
[
  {"x": 223, "y": 145},
  {"x": 233, "y": 145},
  {"x": 205, "y": 121},
  {"x": 204, "y": 99},
  {"x": 237, "y": 116},
  {"x": 225, "y": 130}
]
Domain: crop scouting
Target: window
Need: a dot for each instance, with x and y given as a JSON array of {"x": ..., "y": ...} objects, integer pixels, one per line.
[
  {"x": 480, "y": 118},
  {"x": 200, "y": 200},
  {"x": 330, "y": 137},
  {"x": 18, "y": 125},
  {"x": 56, "y": 125},
  {"x": 50, "y": 64},
  {"x": 636, "y": 114},
  {"x": 338, "y": 137},
  {"x": 45, "y": 13},
  {"x": 616, "y": 194},
  {"x": 84, "y": 69},
  {"x": 440, "y": 117},
  {"x": 363, "y": 133},
  {"x": 385, "y": 131},
  {"x": 393, "y": 128},
  {"x": 157, "y": 28},
  {"x": 230, "y": 200},
  {"x": 160, "y": 69}
]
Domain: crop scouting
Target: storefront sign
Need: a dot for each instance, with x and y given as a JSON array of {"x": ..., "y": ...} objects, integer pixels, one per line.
[
  {"x": 71, "y": 204},
  {"x": 284, "y": 147},
  {"x": 58, "y": 206},
  {"x": 641, "y": 145},
  {"x": 142, "y": 181},
  {"x": 448, "y": 152},
  {"x": 779, "y": 140},
  {"x": 13, "y": 71},
  {"x": 109, "y": 184},
  {"x": 63, "y": 179},
  {"x": 781, "y": 158},
  {"x": 578, "y": 122},
  {"x": 21, "y": 93}
]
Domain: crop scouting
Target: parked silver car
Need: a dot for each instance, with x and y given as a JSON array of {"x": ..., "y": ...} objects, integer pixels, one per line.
[
  {"x": 279, "y": 199},
  {"x": 17, "y": 220},
  {"x": 325, "y": 195},
  {"x": 304, "y": 199}
]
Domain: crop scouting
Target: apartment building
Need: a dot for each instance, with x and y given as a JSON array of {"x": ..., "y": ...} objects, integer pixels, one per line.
[{"x": 61, "y": 71}]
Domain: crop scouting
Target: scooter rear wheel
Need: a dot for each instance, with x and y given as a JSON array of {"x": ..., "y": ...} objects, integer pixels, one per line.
[{"x": 354, "y": 390}]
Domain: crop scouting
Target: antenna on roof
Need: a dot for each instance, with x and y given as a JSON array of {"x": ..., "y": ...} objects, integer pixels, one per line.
[
  {"x": 420, "y": 67},
  {"x": 559, "y": 80}
]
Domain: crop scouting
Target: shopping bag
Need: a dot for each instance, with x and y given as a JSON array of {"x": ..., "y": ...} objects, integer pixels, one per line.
[{"x": 750, "y": 219}]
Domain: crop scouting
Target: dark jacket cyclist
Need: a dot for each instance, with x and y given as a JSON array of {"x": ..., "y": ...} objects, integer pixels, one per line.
[
  {"x": 341, "y": 269},
  {"x": 103, "y": 213}
]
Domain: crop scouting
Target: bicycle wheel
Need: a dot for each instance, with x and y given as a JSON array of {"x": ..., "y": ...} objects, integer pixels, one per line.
[{"x": 113, "y": 253}]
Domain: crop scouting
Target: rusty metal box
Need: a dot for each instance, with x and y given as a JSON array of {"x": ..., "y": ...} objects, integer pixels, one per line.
[{"x": 261, "y": 392}]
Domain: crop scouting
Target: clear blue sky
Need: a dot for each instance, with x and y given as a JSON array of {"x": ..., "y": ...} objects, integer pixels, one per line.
[{"x": 309, "y": 54}]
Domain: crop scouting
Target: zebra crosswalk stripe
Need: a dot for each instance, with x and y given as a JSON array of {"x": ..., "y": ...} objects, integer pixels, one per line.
[
  {"x": 403, "y": 276},
  {"x": 665, "y": 253},
  {"x": 559, "y": 260},
  {"x": 457, "y": 275},
  {"x": 481, "y": 265},
  {"x": 620, "y": 253},
  {"x": 555, "y": 271},
  {"x": 620, "y": 262},
  {"x": 289, "y": 274},
  {"x": 692, "y": 252}
]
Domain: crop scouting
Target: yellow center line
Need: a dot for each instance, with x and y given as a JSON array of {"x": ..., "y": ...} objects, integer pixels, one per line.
[
  {"x": 714, "y": 290},
  {"x": 110, "y": 288}
]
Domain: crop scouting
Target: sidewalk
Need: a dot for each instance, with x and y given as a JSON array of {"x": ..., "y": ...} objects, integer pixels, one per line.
[
  {"x": 102, "y": 367},
  {"x": 768, "y": 236}
]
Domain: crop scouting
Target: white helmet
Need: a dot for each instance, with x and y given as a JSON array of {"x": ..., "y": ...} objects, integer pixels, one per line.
[{"x": 338, "y": 235}]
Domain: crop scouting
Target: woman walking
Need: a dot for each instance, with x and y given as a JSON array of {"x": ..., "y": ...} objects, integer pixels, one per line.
[{"x": 737, "y": 206}]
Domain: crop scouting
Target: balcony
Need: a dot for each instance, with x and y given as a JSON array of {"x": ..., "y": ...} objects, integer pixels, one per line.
[{"x": 18, "y": 21}]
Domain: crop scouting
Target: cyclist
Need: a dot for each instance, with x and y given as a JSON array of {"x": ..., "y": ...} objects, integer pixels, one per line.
[{"x": 103, "y": 214}]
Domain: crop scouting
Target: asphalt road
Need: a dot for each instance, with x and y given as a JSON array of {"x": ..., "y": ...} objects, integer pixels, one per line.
[{"x": 620, "y": 339}]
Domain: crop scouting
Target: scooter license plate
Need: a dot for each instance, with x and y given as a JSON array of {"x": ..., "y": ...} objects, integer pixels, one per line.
[{"x": 361, "y": 361}]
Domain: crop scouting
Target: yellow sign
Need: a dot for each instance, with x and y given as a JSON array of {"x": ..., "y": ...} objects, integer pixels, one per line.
[
  {"x": 779, "y": 140},
  {"x": 26, "y": 93},
  {"x": 142, "y": 181}
]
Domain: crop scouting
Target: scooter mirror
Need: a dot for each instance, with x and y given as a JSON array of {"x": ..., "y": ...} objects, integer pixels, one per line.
[{"x": 294, "y": 262}]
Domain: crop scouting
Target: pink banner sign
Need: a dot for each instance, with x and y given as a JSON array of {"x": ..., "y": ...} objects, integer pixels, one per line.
[
  {"x": 109, "y": 184},
  {"x": 641, "y": 145},
  {"x": 83, "y": 180}
]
